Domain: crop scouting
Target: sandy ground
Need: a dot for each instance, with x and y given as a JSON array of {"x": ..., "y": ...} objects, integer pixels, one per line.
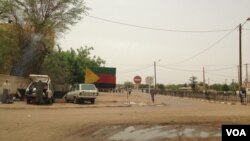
[{"x": 112, "y": 115}]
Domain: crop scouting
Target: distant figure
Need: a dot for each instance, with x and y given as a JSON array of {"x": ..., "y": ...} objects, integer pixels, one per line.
[
  {"x": 153, "y": 93},
  {"x": 242, "y": 95},
  {"x": 129, "y": 91},
  {"x": 6, "y": 90},
  {"x": 39, "y": 92}
]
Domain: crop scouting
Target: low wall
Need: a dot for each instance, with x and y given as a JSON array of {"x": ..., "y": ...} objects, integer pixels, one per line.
[{"x": 15, "y": 82}]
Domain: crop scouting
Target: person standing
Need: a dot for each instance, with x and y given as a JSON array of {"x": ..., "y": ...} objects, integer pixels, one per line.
[
  {"x": 6, "y": 90},
  {"x": 153, "y": 93},
  {"x": 39, "y": 92},
  {"x": 242, "y": 95}
]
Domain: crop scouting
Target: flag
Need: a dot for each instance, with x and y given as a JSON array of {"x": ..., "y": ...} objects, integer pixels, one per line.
[
  {"x": 90, "y": 76},
  {"x": 102, "y": 77}
]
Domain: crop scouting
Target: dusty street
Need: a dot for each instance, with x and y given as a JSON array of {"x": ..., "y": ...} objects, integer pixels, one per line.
[{"x": 112, "y": 118}]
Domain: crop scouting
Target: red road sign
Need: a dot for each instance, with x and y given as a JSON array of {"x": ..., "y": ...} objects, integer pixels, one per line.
[{"x": 137, "y": 79}]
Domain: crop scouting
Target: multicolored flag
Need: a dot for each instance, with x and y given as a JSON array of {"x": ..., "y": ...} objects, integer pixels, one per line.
[
  {"x": 90, "y": 76},
  {"x": 102, "y": 77}
]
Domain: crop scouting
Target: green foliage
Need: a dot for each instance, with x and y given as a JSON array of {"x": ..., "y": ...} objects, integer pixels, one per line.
[
  {"x": 27, "y": 18},
  {"x": 175, "y": 86},
  {"x": 143, "y": 86},
  {"x": 193, "y": 83},
  {"x": 9, "y": 52},
  {"x": 128, "y": 84},
  {"x": 43, "y": 16},
  {"x": 69, "y": 66},
  {"x": 224, "y": 87},
  {"x": 160, "y": 86}
]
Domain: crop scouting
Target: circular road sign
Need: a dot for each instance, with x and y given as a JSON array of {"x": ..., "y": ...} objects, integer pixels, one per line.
[{"x": 137, "y": 79}]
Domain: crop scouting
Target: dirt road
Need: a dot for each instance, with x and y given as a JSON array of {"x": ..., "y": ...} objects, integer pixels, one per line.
[{"x": 114, "y": 117}]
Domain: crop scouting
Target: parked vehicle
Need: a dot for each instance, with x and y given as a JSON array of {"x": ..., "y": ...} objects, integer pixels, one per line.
[
  {"x": 80, "y": 93},
  {"x": 248, "y": 91},
  {"x": 40, "y": 90}
]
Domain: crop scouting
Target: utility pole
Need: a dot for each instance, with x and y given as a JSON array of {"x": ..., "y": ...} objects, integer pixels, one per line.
[
  {"x": 246, "y": 74},
  {"x": 155, "y": 72},
  {"x": 238, "y": 74},
  {"x": 204, "y": 81},
  {"x": 208, "y": 83},
  {"x": 240, "y": 57},
  {"x": 240, "y": 53},
  {"x": 233, "y": 84}
]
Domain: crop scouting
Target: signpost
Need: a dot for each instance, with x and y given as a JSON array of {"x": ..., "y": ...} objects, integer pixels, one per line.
[
  {"x": 150, "y": 81},
  {"x": 137, "y": 80}
]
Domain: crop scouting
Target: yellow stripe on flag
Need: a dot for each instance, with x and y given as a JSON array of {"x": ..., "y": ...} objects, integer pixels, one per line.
[{"x": 90, "y": 76}]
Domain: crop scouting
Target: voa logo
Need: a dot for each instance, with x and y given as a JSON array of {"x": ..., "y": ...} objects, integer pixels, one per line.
[{"x": 236, "y": 132}]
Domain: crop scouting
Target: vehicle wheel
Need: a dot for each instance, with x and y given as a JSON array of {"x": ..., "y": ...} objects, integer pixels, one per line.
[
  {"x": 75, "y": 100},
  {"x": 66, "y": 100},
  {"x": 28, "y": 101},
  {"x": 49, "y": 101},
  {"x": 92, "y": 101},
  {"x": 53, "y": 100},
  {"x": 81, "y": 101}
]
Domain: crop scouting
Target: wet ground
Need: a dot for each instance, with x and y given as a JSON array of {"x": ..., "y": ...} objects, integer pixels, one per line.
[{"x": 158, "y": 132}]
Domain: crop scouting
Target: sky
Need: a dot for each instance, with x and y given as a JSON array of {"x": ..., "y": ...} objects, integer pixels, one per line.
[{"x": 172, "y": 36}]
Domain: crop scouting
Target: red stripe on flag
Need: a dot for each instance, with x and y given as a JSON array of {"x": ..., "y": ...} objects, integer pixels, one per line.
[{"x": 106, "y": 78}]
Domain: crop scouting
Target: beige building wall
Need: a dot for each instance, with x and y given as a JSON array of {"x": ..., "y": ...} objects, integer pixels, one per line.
[{"x": 15, "y": 83}]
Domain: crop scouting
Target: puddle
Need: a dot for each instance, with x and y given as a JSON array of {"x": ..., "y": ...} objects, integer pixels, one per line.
[
  {"x": 141, "y": 104},
  {"x": 148, "y": 133}
]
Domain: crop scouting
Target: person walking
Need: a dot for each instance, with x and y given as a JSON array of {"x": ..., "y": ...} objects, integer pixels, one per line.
[{"x": 6, "y": 91}]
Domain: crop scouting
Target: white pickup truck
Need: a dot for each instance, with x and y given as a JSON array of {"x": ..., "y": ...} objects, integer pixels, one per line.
[{"x": 45, "y": 96}]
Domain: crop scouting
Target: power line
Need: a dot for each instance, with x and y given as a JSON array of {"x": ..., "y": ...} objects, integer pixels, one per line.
[
  {"x": 178, "y": 69},
  {"x": 205, "y": 65},
  {"x": 171, "y": 30},
  {"x": 225, "y": 68},
  {"x": 157, "y": 29},
  {"x": 189, "y": 70},
  {"x": 220, "y": 75},
  {"x": 136, "y": 70},
  {"x": 206, "y": 49}
]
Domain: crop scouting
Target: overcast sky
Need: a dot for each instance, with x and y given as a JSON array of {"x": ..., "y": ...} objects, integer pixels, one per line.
[{"x": 133, "y": 50}]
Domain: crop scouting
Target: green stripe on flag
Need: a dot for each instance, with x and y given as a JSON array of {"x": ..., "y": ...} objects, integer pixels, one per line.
[{"x": 103, "y": 70}]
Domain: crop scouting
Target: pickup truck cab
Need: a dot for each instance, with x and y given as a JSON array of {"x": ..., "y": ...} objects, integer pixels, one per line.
[{"x": 81, "y": 93}]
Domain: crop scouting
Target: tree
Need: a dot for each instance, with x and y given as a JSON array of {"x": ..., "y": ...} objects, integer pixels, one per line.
[
  {"x": 69, "y": 66},
  {"x": 225, "y": 87},
  {"x": 143, "y": 86},
  {"x": 128, "y": 84},
  {"x": 193, "y": 83},
  {"x": 161, "y": 86},
  {"x": 8, "y": 50},
  {"x": 35, "y": 24},
  {"x": 175, "y": 86},
  {"x": 217, "y": 87}
]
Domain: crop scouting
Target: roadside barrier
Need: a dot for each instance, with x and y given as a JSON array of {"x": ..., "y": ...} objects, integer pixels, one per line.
[{"x": 210, "y": 96}]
